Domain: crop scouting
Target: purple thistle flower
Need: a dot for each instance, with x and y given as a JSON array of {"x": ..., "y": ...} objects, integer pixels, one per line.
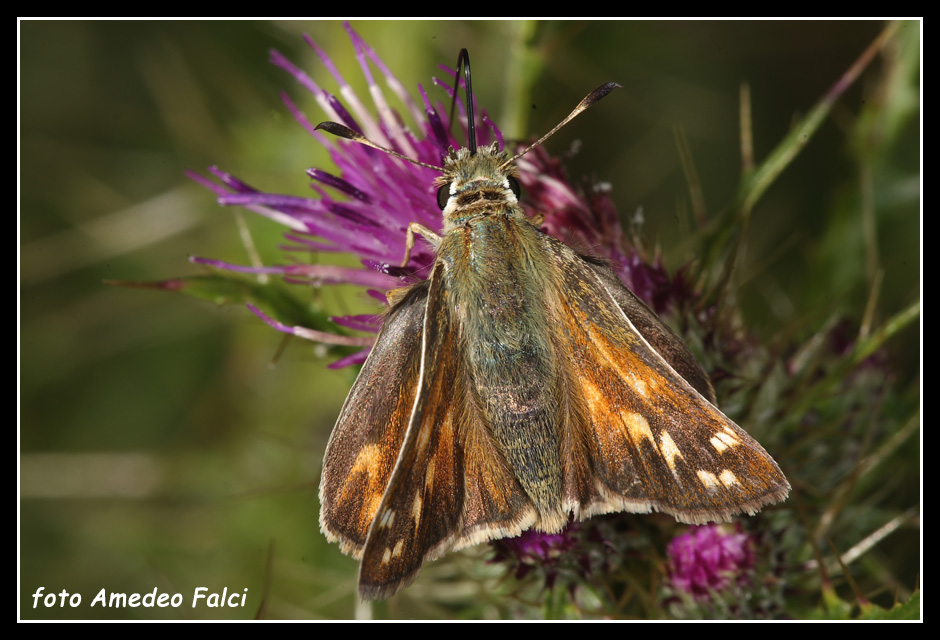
[
  {"x": 575, "y": 554},
  {"x": 709, "y": 559},
  {"x": 536, "y": 550},
  {"x": 366, "y": 209}
]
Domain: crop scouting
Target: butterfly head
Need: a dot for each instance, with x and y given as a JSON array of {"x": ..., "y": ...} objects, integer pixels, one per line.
[{"x": 474, "y": 183}]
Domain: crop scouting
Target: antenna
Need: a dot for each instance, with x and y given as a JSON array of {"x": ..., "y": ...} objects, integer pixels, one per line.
[
  {"x": 463, "y": 58},
  {"x": 588, "y": 101}
]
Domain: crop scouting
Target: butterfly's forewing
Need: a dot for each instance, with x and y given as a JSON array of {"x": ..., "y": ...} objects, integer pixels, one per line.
[
  {"x": 368, "y": 435},
  {"x": 657, "y": 334},
  {"x": 643, "y": 435},
  {"x": 451, "y": 487}
]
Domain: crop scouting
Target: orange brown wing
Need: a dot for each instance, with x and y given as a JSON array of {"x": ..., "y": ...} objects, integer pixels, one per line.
[
  {"x": 657, "y": 333},
  {"x": 640, "y": 438}
]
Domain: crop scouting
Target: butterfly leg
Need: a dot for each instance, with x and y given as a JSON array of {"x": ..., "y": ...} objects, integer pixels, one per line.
[{"x": 425, "y": 233}]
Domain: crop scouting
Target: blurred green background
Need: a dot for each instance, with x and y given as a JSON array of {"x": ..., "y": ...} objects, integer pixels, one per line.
[{"x": 158, "y": 446}]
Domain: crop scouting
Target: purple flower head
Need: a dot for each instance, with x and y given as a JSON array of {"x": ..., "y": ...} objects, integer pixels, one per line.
[
  {"x": 707, "y": 559},
  {"x": 365, "y": 208},
  {"x": 575, "y": 554},
  {"x": 536, "y": 549}
]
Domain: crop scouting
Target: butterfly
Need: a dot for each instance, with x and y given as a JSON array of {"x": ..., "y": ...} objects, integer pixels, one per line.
[{"x": 519, "y": 385}]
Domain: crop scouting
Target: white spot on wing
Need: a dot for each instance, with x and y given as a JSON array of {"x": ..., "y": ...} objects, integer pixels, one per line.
[
  {"x": 728, "y": 478},
  {"x": 718, "y": 444},
  {"x": 723, "y": 439},
  {"x": 637, "y": 427},
  {"x": 708, "y": 479},
  {"x": 416, "y": 509},
  {"x": 670, "y": 451},
  {"x": 387, "y": 518},
  {"x": 730, "y": 440}
]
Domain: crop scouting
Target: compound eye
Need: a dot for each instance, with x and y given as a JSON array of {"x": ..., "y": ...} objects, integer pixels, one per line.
[
  {"x": 443, "y": 195},
  {"x": 514, "y": 187}
]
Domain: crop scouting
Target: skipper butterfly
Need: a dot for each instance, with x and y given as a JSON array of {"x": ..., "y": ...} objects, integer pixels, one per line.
[{"x": 519, "y": 385}]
